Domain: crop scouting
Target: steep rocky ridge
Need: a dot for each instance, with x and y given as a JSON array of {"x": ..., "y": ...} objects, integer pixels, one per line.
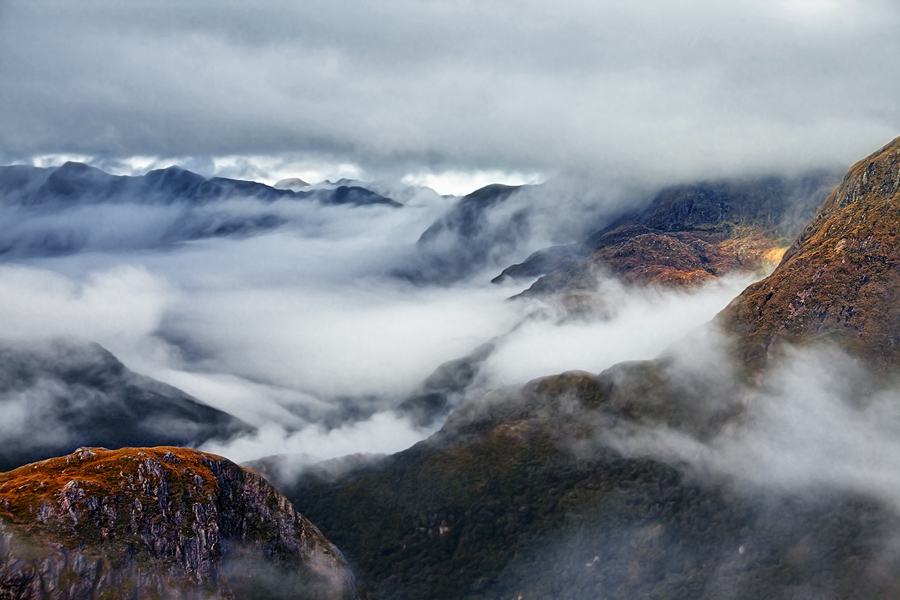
[
  {"x": 79, "y": 394},
  {"x": 840, "y": 279},
  {"x": 157, "y": 523},
  {"x": 687, "y": 235}
]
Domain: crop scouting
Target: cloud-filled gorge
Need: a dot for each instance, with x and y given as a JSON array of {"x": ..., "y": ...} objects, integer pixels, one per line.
[{"x": 310, "y": 329}]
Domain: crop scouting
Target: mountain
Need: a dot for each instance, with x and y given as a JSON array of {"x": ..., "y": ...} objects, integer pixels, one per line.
[
  {"x": 158, "y": 523},
  {"x": 688, "y": 234},
  {"x": 72, "y": 208},
  {"x": 74, "y": 183},
  {"x": 467, "y": 238},
  {"x": 527, "y": 494},
  {"x": 660, "y": 479},
  {"x": 80, "y": 394},
  {"x": 840, "y": 279}
]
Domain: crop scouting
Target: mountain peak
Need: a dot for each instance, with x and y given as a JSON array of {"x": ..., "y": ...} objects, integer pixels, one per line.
[{"x": 840, "y": 279}]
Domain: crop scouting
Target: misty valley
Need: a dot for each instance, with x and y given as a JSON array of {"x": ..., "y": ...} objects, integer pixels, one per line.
[{"x": 591, "y": 387}]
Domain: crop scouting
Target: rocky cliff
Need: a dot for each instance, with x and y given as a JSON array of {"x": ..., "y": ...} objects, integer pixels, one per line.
[
  {"x": 840, "y": 279},
  {"x": 160, "y": 522}
]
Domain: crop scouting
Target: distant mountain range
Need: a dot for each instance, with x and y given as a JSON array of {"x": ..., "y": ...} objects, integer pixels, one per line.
[
  {"x": 74, "y": 183},
  {"x": 67, "y": 209}
]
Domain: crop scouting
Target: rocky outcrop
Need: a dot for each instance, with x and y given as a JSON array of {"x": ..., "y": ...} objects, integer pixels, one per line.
[
  {"x": 840, "y": 279},
  {"x": 160, "y": 522}
]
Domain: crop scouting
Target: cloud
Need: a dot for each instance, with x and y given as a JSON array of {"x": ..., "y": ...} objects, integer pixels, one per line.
[
  {"x": 818, "y": 420},
  {"x": 383, "y": 433},
  {"x": 656, "y": 89},
  {"x": 630, "y": 324},
  {"x": 301, "y": 331}
]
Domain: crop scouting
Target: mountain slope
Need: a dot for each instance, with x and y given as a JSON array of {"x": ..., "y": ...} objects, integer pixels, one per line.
[
  {"x": 80, "y": 394},
  {"x": 525, "y": 494},
  {"x": 840, "y": 279},
  {"x": 157, "y": 523},
  {"x": 687, "y": 235},
  {"x": 672, "y": 478}
]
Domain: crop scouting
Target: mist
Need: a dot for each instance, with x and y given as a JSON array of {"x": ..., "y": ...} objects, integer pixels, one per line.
[
  {"x": 817, "y": 420},
  {"x": 303, "y": 329}
]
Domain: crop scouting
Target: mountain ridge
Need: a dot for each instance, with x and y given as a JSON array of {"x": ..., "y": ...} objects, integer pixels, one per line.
[{"x": 840, "y": 279}]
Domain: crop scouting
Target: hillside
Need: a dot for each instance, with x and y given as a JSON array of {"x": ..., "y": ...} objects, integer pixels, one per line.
[
  {"x": 527, "y": 494},
  {"x": 79, "y": 394},
  {"x": 664, "y": 478},
  {"x": 157, "y": 523},
  {"x": 840, "y": 279},
  {"x": 687, "y": 235}
]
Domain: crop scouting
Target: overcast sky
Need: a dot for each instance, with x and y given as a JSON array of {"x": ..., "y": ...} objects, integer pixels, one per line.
[{"x": 522, "y": 89}]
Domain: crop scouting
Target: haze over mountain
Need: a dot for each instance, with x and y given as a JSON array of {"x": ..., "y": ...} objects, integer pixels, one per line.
[
  {"x": 578, "y": 429},
  {"x": 690, "y": 475},
  {"x": 651, "y": 458},
  {"x": 170, "y": 273}
]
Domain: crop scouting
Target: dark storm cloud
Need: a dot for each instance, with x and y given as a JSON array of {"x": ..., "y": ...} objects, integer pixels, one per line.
[{"x": 650, "y": 87}]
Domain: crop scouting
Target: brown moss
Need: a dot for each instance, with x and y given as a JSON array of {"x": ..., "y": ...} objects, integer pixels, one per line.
[{"x": 96, "y": 470}]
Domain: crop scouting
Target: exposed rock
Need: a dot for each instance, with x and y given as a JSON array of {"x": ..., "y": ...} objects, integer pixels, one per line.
[{"x": 157, "y": 523}]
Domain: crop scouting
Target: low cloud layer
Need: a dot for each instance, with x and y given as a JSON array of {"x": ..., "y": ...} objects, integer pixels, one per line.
[
  {"x": 393, "y": 89},
  {"x": 817, "y": 421},
  {"x": 304, "y": 332}
]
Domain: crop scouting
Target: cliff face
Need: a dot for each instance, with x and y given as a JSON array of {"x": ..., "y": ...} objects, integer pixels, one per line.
[
  {"x": 157, "y": 523},
  {"x": 840, "y": 280}
]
